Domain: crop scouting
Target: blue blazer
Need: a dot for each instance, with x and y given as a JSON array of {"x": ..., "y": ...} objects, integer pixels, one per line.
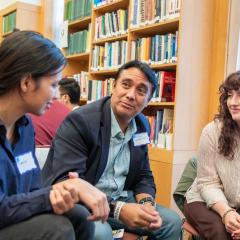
[{"x": 82, "y": 144}]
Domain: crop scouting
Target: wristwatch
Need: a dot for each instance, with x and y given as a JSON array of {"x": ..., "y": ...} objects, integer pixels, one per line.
[
  {"x": 147, "y": 200},
  {"x": 112, "y": 206}
]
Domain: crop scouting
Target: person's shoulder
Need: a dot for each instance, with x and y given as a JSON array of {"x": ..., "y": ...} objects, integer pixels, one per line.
[
  {"x": 213, "y": 126},
  {"x": 90, "y": 113},
  {"x": 56, "y": 105},
  {"x": 212, "y": 129}
]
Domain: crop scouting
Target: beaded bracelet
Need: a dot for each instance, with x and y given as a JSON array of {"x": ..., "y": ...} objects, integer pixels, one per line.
[
  {"x": 117, "y": 209},
  {"x": 226, "y": 213}
]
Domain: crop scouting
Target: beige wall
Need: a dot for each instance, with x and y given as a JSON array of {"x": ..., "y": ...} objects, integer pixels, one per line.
[
  {"x": 234, "y": 35},
  {"x": 6, "y": 3}
]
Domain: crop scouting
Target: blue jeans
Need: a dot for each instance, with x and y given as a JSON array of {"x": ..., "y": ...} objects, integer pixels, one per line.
[{"x": 170, "y": 229}]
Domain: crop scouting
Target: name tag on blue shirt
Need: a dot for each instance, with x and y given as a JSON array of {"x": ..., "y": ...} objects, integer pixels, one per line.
[
  {"x": 25, "y": 162},
  {"x": 141, "y": 139}
]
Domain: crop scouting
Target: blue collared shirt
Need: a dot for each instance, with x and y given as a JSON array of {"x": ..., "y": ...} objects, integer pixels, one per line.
[
  {"x": 114, "y": 176},
  {"x": 20, "y": 177}
]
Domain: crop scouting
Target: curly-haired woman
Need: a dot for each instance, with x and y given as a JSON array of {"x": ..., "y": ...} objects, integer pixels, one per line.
[{"x": 213, "y": 199}]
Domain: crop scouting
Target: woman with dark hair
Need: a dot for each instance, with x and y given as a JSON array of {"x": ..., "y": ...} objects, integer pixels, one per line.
[
  {"x": 213, "y": 200},
  {"x": 30, "y": 67}
]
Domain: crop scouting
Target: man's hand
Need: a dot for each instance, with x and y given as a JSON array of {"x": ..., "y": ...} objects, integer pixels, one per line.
[
  {"x": 80, "y": 191},
  {"x": 136, "y": 215}
]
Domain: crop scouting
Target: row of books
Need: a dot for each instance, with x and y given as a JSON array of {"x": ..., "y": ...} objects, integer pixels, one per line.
[
  {"x": 98, "y": 3},
  {"x": 158, "y": 49},
  {"x": 82, "y": 78},
  {"x": 165, "y": 91},
  {"x": 111, "y": 55},
  {"x": 9, "y": 22},
  {"x": 96, "y": 89},
  {"x": 152, "y": 11},
  {"x": 79, "y": 42},
  {"x": 77, "y": 9},
  {"x": 111, "y": 24},
  {"x": 161, "y": 124}
]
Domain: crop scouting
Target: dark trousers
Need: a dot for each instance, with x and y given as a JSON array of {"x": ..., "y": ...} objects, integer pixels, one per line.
[
  {"x": 52, "y": 227},
  {"x": 207, "y": 222}
]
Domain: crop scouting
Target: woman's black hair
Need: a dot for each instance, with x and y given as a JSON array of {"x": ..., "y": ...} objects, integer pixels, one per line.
[{"x": 26, "y": 53}]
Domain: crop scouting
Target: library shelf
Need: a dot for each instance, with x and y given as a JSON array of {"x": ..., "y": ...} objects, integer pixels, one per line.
[
  {"x": 161, "y": 104},
  {"x": 157, "y": 28},
  {"x": 80, "y": 23},
  {"x": 104, "y": 72},
  {"x": 160, "y": 155},
  {"x": 80, "y": 56},
  {"x": 121, "y": 4},
  {"x": 111, "y": 39}
]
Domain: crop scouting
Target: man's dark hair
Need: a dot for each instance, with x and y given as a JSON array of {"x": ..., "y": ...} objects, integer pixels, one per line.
[
  {"x": 70, "y": 87},
  {"x": 25, "y": 53},
  {"x": 144, "y": 68}
]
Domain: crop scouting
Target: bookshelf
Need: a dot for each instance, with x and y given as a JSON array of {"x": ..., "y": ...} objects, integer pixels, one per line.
[
  {"x": 197, "y": 31},
  {"x": 23, "y": 16}
]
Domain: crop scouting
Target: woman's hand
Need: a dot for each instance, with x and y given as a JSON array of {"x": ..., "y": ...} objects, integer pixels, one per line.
[{"x": 232, "y": 223}]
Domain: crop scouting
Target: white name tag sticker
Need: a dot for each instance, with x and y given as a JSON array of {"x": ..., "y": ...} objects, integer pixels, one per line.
[
  {"x": 141, "y": 139},
  {"x": 25, "y": 162}
]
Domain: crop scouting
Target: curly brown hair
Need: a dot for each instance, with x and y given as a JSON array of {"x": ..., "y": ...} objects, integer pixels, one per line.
[{"x": 227, "y": 140}]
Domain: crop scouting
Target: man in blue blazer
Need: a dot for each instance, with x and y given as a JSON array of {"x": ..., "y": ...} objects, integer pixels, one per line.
[{"x": 105, "y": 142}]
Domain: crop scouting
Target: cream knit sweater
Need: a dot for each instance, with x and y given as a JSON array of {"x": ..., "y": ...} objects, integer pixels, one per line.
[{"x": 218, "y": 179}]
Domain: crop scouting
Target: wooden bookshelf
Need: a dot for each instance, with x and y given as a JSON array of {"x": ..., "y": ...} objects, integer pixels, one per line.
[
  {"x": 109, "y": 72},
  {"x": 161, "y": 104},
  {"x": 112, "y": 6},
  {"x": 79, "y": 24},
  {"x": 161, "y": 27},
  {"x": 165, "y": 66},
  {"x": 80, "y": 56},
  {"x": 27, "y": 17},
  {"x": 110, "y": 39}
]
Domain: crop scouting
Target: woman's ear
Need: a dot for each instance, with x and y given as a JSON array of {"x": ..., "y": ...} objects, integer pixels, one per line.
[{"x": 26, "y": 83}]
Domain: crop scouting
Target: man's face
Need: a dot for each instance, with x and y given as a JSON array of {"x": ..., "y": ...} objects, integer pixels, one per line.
[{"x": 131, "y": 93}]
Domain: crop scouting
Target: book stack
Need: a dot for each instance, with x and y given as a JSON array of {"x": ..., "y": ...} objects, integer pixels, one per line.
[
  {"x": 77, "y": 9},
  {"x": 98, "y": 89},
  {"x": 9, "y": 22},
  {"x": 110, "y": 56},
  {"x": 111, "y": 24},
  {"x": 165, "y": 91},
  {"x": 158, "y": 49},
  {"x": 79, "y": 42},
  {"x": 161, "y": 125},
  {"x": 146, "y": 12}
]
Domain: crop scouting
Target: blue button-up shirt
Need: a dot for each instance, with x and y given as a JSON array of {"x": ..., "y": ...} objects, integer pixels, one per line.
[
  {"x": 20, "y": 178},
  {"x": 114, "y": 176}
]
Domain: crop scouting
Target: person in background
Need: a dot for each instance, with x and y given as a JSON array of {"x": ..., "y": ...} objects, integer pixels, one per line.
[
  {"x": 69, "y": 92},
  {"x": 30, "y": 66},
  {"x": 46, "y": 125},
  {"x": 212, "y": 202},
  {"x": 106, "y": 143}
]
